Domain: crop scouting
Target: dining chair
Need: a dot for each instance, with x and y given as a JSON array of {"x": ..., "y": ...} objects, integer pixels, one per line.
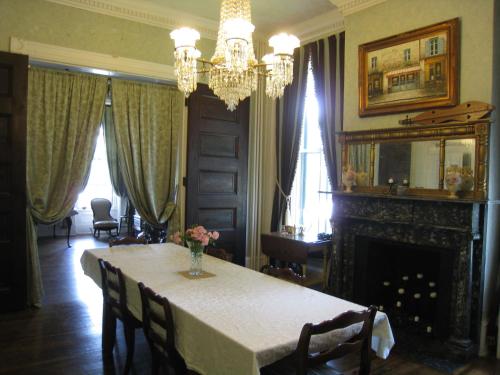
[
  {"x": 127, "y": 241},
  {"x": 115, "y": 307},
  {"x": 284, "y": 273},
  {"x": 158, "y": 326},
  {"x": 347, "y": 358}
]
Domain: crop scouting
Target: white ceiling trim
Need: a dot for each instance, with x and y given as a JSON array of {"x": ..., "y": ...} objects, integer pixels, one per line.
[
  {"x": 318, "y": 27},
  {"x": 54, "y": 54},
  {"x": 347, "y": 7},
  {"x": 149, "y": 14}
]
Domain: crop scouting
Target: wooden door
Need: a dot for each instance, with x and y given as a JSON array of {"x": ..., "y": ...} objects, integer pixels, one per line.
[
  {"x": 217, "y": 169},
  {"x": 13, "y": 259}
]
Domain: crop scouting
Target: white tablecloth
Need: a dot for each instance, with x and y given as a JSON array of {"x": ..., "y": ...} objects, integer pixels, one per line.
[{"x": 233, "y": 323}]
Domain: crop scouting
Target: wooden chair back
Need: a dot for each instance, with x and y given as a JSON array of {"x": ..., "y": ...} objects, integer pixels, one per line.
[
  {"x": 284, "y": 273},
  {"x": 113, "y": 288},
  {"x": 359, "y": 343},
  {"x": 127, "y": 241},
  {"x": 158, "y": 326}
]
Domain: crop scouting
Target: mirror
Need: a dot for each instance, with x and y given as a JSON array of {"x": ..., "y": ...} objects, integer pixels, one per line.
[
  {"x": 436, "y": 160},
  {"x": 415, "y": 162}
]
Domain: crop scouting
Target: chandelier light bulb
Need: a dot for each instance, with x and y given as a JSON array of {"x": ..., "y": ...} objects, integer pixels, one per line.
[
  {"x": 238, "y": 28},
  {"x": 185, "y": 37},
  {"x": 233, "y": 70},
  {"x": 284, "y": 44}
]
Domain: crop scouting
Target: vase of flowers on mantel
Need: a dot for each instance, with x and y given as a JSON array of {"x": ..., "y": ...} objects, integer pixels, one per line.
[
  {"x": 348, "y": 179},
  {"x": 195, "y": 238},
  {"x": 453, "y": 179}
]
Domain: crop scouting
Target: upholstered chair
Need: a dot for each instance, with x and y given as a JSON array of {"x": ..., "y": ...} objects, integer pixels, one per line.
[{"x": 103, "y": 220}]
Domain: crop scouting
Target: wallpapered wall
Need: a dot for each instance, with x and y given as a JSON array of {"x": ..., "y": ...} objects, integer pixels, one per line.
[
  {"x": 51, "y": 23},
  {"x": 397, "y": 16}
]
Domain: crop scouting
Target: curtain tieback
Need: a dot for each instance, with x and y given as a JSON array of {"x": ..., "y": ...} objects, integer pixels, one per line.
[{"x": 286, "y": 196}]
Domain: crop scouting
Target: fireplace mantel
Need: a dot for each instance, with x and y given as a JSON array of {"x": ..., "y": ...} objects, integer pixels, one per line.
[{"x": 454, "y": 224}]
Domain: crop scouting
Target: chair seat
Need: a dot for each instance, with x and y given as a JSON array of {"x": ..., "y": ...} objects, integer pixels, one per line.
[{"x": 106, "y": 224}]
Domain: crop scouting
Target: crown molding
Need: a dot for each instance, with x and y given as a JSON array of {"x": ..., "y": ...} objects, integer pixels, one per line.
[
  {"x": 94, "y": 61},
  {"x": 318, "y": 27},
  {"x": 146, "y": 13},
  {"x": 347, "y": 7}
]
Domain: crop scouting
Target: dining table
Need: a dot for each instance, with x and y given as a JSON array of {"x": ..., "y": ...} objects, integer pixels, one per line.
[{"x": 231, "y": 320}]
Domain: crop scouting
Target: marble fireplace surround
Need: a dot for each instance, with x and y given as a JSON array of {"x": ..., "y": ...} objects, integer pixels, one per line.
[{"x": 456, "y": 225}]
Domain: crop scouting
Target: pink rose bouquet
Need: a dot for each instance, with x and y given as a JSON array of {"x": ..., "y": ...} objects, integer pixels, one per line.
[{"x": 196, "y": 236}]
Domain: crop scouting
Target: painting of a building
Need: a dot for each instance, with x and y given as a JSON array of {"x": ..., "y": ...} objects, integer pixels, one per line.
[{"x": 408, "y": 71}]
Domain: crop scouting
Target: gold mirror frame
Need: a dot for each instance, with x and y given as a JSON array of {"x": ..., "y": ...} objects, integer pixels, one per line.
[{"x": 477, "y": 130}]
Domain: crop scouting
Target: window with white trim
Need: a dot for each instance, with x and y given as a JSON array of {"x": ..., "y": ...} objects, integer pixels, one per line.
[
  {"x": 99, "y": 182},
  {"x": 311, "y": 199}
]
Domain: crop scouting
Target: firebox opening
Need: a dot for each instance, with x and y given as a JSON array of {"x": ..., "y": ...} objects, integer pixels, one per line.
[{"x": 411, "y": 283}]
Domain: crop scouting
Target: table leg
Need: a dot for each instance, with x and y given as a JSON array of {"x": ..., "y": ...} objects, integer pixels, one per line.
[
  {"x": 69, "y": 223},
  {"x": 325, "y": 268}
]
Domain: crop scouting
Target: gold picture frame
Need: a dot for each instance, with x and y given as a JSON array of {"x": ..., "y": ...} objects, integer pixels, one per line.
[{"x": 410, "y": 71}]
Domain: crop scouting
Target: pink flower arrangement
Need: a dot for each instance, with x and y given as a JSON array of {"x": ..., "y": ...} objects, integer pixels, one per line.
[{"x": 197, "y": 234}]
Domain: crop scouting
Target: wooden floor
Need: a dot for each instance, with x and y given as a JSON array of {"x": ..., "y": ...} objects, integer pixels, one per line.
[{"x": 64, "y": 336}]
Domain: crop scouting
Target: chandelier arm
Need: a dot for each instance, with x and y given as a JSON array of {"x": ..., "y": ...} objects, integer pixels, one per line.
[{"x": 203, "y": 61}]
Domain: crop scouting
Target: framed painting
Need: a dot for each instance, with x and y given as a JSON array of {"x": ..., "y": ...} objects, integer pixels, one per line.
[{"x": 410, "y": 71}]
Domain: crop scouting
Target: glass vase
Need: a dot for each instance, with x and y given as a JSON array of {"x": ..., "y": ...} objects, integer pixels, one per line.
[{"x": 196, "y": 250}]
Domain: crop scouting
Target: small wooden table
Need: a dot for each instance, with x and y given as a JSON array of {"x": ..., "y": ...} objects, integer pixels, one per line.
[
  {"x": 298, "y": 249},
  {"x": 69, "y": 222}
]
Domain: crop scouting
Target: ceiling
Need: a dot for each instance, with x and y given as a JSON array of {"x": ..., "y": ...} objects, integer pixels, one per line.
[{"x": 268, "y": 16}]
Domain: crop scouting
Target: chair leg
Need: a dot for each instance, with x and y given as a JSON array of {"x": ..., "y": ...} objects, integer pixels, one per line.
[
  {"x": 95, "y": 231},
  {"x": 108, "y": 331},
  {"x": 130, "y": 340}
]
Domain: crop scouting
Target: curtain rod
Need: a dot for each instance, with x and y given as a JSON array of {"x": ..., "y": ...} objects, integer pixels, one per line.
[{"x": 101, "y": 72}]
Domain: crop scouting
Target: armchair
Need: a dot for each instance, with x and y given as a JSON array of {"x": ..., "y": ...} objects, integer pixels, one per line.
[{"x": 103, "y": 220}]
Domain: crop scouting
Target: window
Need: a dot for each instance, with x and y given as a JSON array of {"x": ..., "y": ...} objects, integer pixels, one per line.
[
  {"x": 407, "y": 55},
  {"x": 438, "y": 70},
  {"x": 99, "y": 183},
  {"x": 433, "y": 43},
  {"x": 311, "y": 200},
  {"x": 374, "y": 62}
]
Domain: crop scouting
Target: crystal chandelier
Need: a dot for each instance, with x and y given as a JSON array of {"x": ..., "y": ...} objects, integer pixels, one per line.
[{"x": 233, "y": 70}]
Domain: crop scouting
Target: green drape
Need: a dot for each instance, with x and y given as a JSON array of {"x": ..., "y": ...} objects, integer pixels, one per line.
[
  {"x": 112, "y": 155},
  {"x": 64, "y": 113},
  {"x": 147, "y": 119}
]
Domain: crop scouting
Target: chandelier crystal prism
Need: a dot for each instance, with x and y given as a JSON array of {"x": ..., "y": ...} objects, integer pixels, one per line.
[{"x": 233, "y": 71}]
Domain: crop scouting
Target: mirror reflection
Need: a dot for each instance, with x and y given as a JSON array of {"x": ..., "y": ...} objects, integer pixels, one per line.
[
  {"x": 359, "y": 160},
  {"x": 416, "y": 163},
  {"x": 460, "y": 158}
]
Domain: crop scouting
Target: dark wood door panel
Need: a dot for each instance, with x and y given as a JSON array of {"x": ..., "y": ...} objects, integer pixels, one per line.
[
  {"x": 219, "y": 145},
  {"x": 217, "y": 169},
  {"x": 13, "y": 257}
]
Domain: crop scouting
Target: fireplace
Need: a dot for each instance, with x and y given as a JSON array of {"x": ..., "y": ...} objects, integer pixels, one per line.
[
  {"x": 382, "y": 242},
  {"x": 410, "y": 283}
]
